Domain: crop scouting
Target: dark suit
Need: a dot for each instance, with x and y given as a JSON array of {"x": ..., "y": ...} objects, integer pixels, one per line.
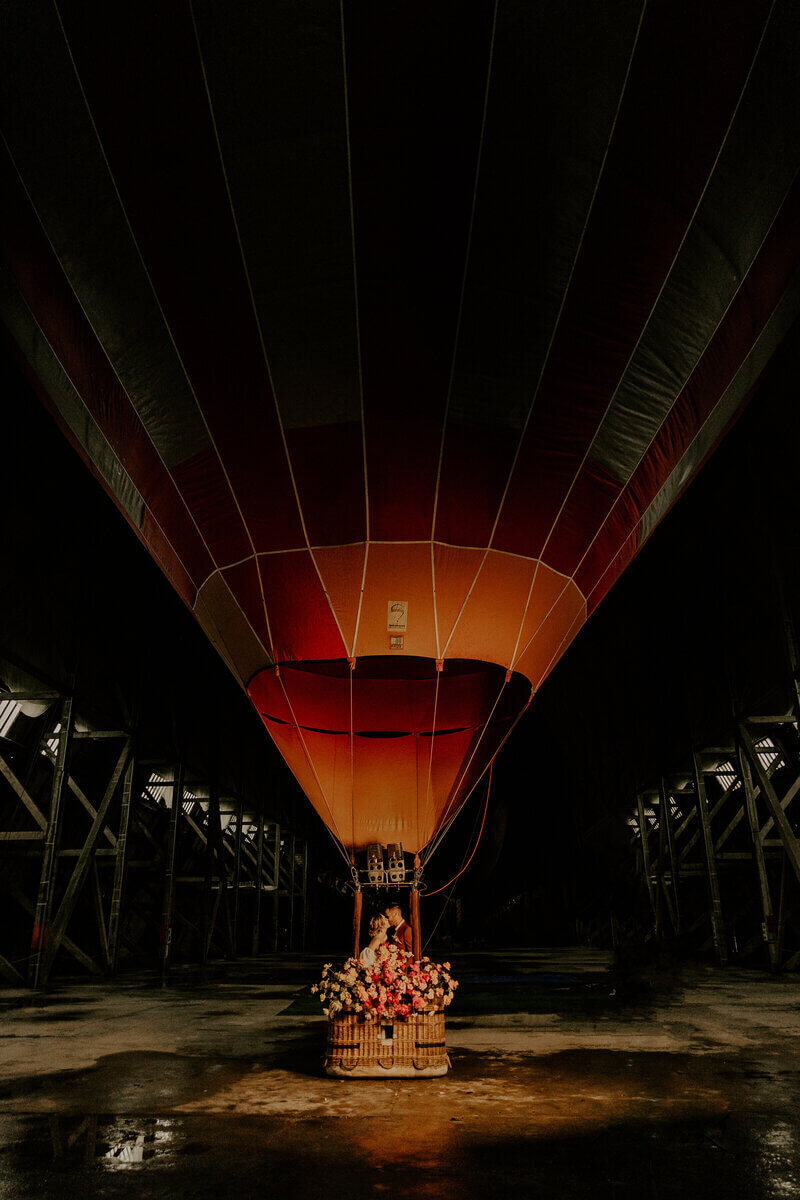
[{"x": 404, "y": 936}]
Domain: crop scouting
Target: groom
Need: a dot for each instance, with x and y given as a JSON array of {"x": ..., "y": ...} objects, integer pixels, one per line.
[{"x": 403, "y": 934}]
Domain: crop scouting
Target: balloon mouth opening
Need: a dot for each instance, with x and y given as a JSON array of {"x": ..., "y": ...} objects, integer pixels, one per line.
[
  {"x": 388, "y": 751},
  {"x": 383, "y": 697},
  {"x": 397, "y": 667}
]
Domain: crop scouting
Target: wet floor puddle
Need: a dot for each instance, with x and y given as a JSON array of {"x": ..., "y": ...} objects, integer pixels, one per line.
[{"x": 570, "y": 1124}]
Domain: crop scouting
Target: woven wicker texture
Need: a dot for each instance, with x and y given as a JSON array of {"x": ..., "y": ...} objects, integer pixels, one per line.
[{"x": 416, "y": 1044}]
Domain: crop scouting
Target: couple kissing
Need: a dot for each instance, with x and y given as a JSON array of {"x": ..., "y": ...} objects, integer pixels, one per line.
[{"x": 388, "y": 926}]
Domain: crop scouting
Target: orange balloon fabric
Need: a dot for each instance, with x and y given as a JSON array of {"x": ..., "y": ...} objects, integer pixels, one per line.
[{"x": 387, "y": 750}]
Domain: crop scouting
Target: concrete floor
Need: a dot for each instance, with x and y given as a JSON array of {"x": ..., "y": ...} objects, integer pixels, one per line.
[{"x": 567, "y": 1081}]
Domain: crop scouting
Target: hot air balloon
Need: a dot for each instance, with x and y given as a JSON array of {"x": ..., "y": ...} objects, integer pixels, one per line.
[{"x": 394, "y": 330}]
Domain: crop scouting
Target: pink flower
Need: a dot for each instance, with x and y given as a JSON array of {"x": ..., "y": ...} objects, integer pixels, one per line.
[{"x": 418, "y": 1002}]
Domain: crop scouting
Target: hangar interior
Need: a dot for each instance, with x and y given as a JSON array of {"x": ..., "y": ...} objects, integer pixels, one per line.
[{"x": 506, "y": 298}]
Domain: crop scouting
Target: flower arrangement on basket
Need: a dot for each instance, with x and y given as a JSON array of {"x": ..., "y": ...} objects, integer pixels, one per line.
[{"x": 396, "y": 986}]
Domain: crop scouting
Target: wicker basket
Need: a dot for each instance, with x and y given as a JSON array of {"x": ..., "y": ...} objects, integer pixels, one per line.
[{"x": 379, "y": 1048}]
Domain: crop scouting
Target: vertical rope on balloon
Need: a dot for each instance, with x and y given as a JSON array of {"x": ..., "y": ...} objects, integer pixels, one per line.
[
  {"x": 338, "y": 839},
  {"x": 352, "y": 663},
  {"x": 433, "y": 738}
]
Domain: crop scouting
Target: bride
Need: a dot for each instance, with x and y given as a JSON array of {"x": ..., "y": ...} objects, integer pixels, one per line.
[{"x": 378, "y": 927}]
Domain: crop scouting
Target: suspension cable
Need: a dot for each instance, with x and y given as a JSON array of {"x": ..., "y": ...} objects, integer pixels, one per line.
[
  {"x": 456, "y": 788},
  {"x": 437, "y": 839},
  {"x": 449, "y": 896},
  {"x": 477, "y": 840},
  {"x": 338, "y": 840},
  {"x": 430, "y": 756},
  {"x": 352, "y": 765}
]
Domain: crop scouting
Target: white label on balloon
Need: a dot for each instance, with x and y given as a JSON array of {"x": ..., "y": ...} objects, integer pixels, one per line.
[{"x": 398, "y": 616}]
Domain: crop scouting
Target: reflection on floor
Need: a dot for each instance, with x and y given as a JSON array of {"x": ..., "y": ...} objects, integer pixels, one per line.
[{"x": 568, "y": 1081}]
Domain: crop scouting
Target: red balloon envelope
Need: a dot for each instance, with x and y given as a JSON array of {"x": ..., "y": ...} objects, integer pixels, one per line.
[{"x": 394, "y": 361}]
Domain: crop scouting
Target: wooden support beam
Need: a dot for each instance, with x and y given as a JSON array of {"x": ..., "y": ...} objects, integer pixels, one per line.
[
  {"x": 718, "y": 805},
  {"x": 101, "y": 734},
  {"x": 75, "y": 852},
  {"x": 216, "y": 839},
  {"x": 247, "y": 851},
  {"x": 645, "y": 848},
  {"x": 256, "y": 932},
  {"x": 670, "y": 894},
  {"x": 660, "y": 888},
  {"x": 790, "y": 842},
  {"x": 67, "y": 944},
  {"x": 690, "y": 816},
  {"x": 97, "y": 901},
  {"x": 168, "y": 905},
  {"x": 10, "y": 973},
  {"x": 22, "y": 793},
  {"x": 44, "y": 899},
  {"x": 714, "y": 898},
  {"x": 785, "y": 802},
  {"x": 276, "y": 903},
  {"x": 120, "y": 866},
  {"x": 81, "y": 868},
  {"x": 207, "y": 927},
  {"x": 277, "y": 885},
  {"x": 767, "y": 914},
  {"x": 141, "y": 825},
  {"x": 78, "y": 792},
  {"x": 237, "y": 875},
  {"x": 740, "y": 815}
]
